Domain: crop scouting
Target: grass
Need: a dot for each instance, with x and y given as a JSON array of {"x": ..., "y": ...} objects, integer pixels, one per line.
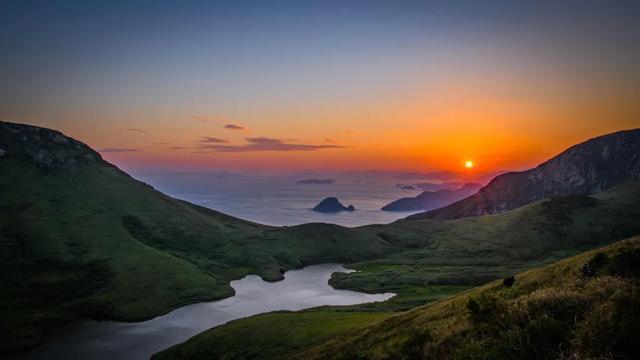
[
  {"x": 473, "y": 251},
  {"x": 106, "y": 246},
  {"x": 584, "y": 307},
  {"x": 144, "y": 253},
  {"x": 551, "y": 312},
  {"x": 90, "y": 241},
  {"x": 562, "y": 311},
  {"x": 268, "y": 336}
]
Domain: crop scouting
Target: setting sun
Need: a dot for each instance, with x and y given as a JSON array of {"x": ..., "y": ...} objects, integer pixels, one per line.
[{"x": 468, "y": 164}]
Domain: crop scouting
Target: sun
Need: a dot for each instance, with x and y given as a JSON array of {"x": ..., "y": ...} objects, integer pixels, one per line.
[{"x": 468, "y": 164}]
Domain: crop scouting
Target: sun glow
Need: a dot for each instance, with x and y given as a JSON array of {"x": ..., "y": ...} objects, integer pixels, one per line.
[{"x": 468, "y": 164}]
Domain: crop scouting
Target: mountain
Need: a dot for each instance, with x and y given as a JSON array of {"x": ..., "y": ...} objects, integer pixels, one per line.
[
  {"x": 587, "y": 168},
  {"x": 332, "y": 204},
  {"x": 583, "y": 307},
  {"x": 81, "y": 238},
  {"x": 429, "y": 200}
]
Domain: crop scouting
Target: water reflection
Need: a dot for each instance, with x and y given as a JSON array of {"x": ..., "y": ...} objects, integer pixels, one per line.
[{"x": 300, "y": 289}]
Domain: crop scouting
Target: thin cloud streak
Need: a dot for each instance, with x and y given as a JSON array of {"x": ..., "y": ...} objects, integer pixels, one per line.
[
  {"x": 201, "y": 118},
  {"x": 116, "y": 150},
  {"x": 234, "y": 127},
  {"x": 212, "y": 140},
  {"x": 267, "y": 144},
  {"x": 137, "y": 130}
]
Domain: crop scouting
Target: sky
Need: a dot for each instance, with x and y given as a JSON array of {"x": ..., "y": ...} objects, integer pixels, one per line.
[{"x": 342, "y": 85}]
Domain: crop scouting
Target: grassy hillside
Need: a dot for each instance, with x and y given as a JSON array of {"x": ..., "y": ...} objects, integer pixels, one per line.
[
  {"x": 269, "y": 336},
  {"x": 92, "y": 241},
  {"x": 473, "y": 251},
  {"x": 79, "y": 237},
  {"x": 586, "y": 306}
]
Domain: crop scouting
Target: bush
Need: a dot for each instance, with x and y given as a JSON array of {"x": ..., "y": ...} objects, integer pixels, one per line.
[
  {"x": 625, "y": 263},
  {"x": 413, "y": 348},
  {"x": 594, "y": 266},
  {"x": 508, "y": 282}
]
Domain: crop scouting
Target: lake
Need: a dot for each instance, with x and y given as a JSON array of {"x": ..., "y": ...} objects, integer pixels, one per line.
[{"x": 300, "y": 289}]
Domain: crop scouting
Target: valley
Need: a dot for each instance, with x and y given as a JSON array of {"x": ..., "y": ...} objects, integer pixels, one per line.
[{"x": 82, "y": 239}]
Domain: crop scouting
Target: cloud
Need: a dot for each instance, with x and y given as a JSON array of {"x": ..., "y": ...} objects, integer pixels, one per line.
[
  {"x": 201, "y": 118},
  {"x": 117, "y": 150},
  {"x": 267, "y": 144},
  {"x": 160, "y": 143},
  {"x": 137, "y": 130},
  {"x": 212, "y": 140},
  {"x": 234, "y": 127},
  {"x": 178, "y": 148}
]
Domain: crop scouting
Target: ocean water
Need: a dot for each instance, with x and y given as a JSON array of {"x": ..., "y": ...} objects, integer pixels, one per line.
[{"x": 279, "y": 200}]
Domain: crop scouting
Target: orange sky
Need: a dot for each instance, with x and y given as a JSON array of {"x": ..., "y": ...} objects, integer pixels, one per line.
[
  {"x": 416, "y": 130},
  {"x": 415, "y": 86}
]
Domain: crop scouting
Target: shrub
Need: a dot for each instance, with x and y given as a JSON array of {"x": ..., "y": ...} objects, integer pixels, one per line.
[
  {"x": 612, "y": 328},
  {"x": 594, "y": 266},
  {"x": 508, "y": 282},
  {"x": 626, "y": 263},
  {"x": 413, "y": 348}
]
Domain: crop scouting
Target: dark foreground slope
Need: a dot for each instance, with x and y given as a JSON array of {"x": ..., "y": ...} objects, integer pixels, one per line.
[
  {"x": 587, "y": 168},
  {"x": 584, "y": 307},
  {"x": 79, "y": 237}
]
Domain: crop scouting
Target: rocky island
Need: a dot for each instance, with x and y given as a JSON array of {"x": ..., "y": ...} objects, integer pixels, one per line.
[
  {"x": 429, "y": 200},
  {"x": 331, "y": 205},
  {"x": 316, "y": 181}
]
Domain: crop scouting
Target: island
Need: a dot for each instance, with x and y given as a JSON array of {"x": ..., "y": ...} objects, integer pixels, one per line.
[
  {"x": 316, "y": 181},
  {"x": 430, "y": 200},
  {"x": 331, "y": 205}
]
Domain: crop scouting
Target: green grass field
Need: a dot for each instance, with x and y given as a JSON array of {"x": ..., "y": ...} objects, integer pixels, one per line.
[
  {"x": 270, "y": 335},
  {"x": 584, "y": 307},
  {"x": 95, "y": 242}
]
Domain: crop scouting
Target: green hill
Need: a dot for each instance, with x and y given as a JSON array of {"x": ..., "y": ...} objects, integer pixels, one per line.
[
  {"x": 79, "y": 237},
  {"x": 584, "y": 307},
  {"x": 473, "y": 251}
]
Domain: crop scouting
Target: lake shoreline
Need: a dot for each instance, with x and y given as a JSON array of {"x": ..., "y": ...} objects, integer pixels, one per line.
[{"x": 300, "y": 289}]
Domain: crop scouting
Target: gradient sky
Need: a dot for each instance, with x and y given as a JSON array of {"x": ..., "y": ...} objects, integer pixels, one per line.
[{"x": 287, "y": 85}]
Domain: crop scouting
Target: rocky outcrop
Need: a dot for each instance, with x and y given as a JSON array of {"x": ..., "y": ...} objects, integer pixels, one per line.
[
  {"x": 47, "y": 149},
  {"x": 331, "y": 205},
  {"x": 430, "y": 200},
  {"x": 586, "y": 168}
]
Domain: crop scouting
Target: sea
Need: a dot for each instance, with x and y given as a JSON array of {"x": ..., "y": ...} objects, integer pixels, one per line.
[{"x": 281, "y": 200}]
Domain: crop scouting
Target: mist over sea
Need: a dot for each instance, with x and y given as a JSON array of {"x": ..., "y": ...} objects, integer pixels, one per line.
[{"x": 279, "y": 200}]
